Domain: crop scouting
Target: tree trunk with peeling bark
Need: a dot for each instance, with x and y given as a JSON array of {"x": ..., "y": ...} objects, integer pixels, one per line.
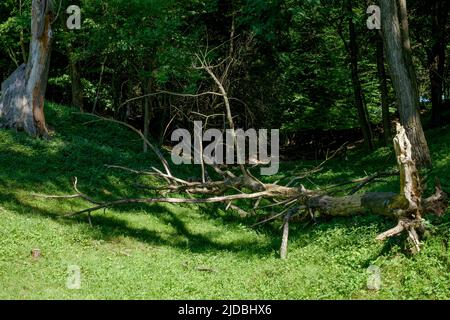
[
  {"x": 407, "y": 207},
  {"x": 22, "y": 99}
]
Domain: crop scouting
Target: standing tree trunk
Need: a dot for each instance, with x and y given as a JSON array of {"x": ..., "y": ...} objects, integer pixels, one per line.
[
  {"x": 147, "y": 111},
  {"x": 436, "y": 57},
  {"x": 363, "y": 115},
  {"x": 99, "y": 85},
  {"x": 75, "y": 79},
  {"x": 437, "y": 73},
  {"x": 22, "y": 100},
  {"x": 382, "y": 78},
  {"x": 398, "y": 55},
  {"x": 22, "y": 40}
]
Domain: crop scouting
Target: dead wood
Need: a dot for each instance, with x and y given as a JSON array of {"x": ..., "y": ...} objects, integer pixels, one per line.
[{"x": 407, "y": 207}]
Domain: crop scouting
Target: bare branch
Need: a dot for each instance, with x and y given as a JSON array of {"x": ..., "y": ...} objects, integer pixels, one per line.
[
  {"x": 184, "y": 95},
  {"x": 171, "y": 200}
]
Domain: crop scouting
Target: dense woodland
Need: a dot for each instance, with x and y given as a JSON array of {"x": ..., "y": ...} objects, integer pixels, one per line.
[
  {"x": 306, "y": 67},
  {"x": 336, "y": 89}
]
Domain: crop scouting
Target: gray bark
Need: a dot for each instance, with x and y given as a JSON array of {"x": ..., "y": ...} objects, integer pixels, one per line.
[
  {"x": 22, "y": 100},
  {"x": 398, "y": 56}
]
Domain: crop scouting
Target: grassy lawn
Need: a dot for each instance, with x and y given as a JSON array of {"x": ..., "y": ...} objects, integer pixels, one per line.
[{"x": 186, "y": 251}]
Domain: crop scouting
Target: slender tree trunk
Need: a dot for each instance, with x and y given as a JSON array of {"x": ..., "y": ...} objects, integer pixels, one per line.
[
  {"x": 398, "y": 56},
  {"x": 22, "y": 40},
  {"x": 129, "y": 94},
  {"x": 75, "y": 77},
  {"x": 22, "y": 101},
  {"x": 382, "y": 78},
  {"x": 436, "y": 71},
  {"x": 359, "y": 98},
  {"x": 147, "y": 111},
  {"x": 437, "y": 56},
  {"x": 146, "y": 121},
  {"x": 99, "y": 86},
  {"x": 22, "y": 47}
]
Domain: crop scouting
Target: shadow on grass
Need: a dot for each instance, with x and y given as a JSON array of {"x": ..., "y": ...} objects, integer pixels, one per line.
[
  {"x": 30, "y": 165},
  {"x": 108, "y": 228}
]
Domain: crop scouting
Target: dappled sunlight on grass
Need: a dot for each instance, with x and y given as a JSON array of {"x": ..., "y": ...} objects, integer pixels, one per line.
[{"x": 191, "y": 251}]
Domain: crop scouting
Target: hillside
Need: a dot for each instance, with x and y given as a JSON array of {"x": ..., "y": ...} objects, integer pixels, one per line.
[{"x": 192, "y": 251}]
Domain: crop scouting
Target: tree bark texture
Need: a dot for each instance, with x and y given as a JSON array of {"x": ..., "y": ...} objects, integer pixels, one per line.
[
  {"x": 22, "y": 100},
  {"x": 398, "y": 56}
]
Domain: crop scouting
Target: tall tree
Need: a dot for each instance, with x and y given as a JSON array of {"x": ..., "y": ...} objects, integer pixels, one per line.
[
  {"x": 75, "y": 79},
  {"x": 436, "y": 55},
  {"x": 430, "y": 27},
  {"x": 398, "y": 55},
  {"x": 363, "y": 115},
  {"x": 22, "y": 100},
  {"x": 382, "y": 79}
]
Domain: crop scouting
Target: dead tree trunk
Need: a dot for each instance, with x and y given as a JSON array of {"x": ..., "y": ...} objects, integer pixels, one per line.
[
  {"x": 407, "y": 207},
  {"x": 22, "y": 100},
  {"x": 398, "y": 56}
]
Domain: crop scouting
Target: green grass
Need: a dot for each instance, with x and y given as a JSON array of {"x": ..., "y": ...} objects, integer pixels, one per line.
[{"x": 162, "y": 251}]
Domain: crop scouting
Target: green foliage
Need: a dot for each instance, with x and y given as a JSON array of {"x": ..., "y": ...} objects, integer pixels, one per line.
[{"x": 14, "y": 22}]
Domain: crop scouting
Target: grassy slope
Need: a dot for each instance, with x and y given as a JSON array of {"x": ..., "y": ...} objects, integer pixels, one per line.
[{"x": 156, "y": 251}]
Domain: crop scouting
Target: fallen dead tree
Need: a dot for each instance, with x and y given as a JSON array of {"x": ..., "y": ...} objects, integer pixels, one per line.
[{"x": 407, "y": 207}]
